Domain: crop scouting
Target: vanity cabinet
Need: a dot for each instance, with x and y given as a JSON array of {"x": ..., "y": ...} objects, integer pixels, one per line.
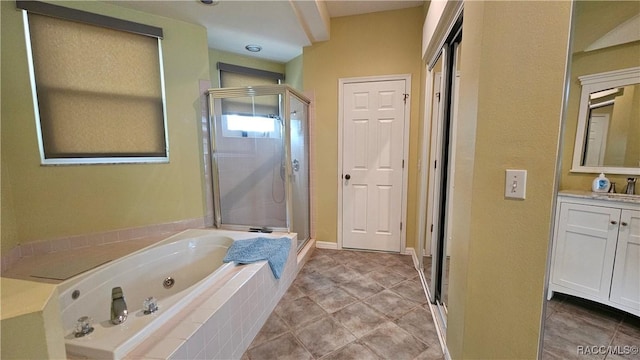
[
  {"x": 596, "y": 250},
  {"x": 625, "y": 284}
]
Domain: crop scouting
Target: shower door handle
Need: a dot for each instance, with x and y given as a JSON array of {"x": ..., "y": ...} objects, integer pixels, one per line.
[{"x": 296, "y": 165}]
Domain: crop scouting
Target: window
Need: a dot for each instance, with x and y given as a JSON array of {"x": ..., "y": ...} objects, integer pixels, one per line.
[
  {"x": 98, "y": 87},
  {"x": 234, "y": 125},
  {"x": 250, "y": 117}
]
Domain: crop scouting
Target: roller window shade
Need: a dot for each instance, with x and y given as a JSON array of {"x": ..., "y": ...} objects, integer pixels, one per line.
[
  {"x": 230, "y": 79},
  {"x": 238, "y": 76},
  {"x": 99, "y": 90}
]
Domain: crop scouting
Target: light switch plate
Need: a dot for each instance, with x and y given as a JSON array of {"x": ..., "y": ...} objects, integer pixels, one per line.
[{"x": 515, "y": 184}]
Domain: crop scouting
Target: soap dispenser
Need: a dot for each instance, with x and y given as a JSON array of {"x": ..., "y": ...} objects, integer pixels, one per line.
[{"x": 601, "y": 184}]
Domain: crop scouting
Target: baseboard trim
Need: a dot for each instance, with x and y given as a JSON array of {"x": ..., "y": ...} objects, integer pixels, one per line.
[
  {"x": 305, "y": 253},
  {"x": 326, "y": 245},
  {"x": 414, "y": 256},
  {"x": 441, "y": 332}
]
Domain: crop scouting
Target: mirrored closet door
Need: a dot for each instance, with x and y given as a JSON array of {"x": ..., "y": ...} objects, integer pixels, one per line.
[{"x": 443, "y": 81}]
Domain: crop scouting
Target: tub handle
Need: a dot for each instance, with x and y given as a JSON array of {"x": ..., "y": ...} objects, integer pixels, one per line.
[
  {"x": 83, "y": 327},
  {"x": 149, "y": 305}
]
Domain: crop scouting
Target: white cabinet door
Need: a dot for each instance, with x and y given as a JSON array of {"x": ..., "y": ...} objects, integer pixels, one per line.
[
  {"x": 625, "y": 286},
  {"x": 585, "y": 249}
]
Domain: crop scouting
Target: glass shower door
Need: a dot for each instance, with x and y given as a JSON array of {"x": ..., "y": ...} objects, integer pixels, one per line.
[
  {"x": 299, "y": 130},
  {"x": 250, "y": 159},
  {"x": 260, "y": 159}
]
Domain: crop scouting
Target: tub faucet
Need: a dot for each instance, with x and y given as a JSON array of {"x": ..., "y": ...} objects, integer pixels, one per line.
[{"x": 118, "y": 306}]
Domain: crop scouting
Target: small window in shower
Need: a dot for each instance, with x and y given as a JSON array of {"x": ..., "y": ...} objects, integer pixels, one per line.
[{"x": 248, "y": 126}]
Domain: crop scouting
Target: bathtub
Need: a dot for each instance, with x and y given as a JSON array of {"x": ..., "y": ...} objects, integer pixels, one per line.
[{"x": 201, "y": 283}]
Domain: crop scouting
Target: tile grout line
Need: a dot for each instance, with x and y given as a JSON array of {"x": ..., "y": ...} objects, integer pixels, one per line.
[{"x": 391, "y": 288}]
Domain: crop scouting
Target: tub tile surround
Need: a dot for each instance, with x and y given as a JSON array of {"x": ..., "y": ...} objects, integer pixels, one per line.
[
  {"x": 240, "y": 306},
  {"x": 23, "y": 257},
  {"x": 221, "y": 322}
]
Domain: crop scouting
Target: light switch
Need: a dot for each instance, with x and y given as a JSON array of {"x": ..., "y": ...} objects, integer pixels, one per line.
[{"x": 515, "y": 186}]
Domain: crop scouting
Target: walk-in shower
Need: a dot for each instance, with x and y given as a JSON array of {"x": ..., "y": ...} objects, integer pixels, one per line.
[{"x": 260, "y": 159}]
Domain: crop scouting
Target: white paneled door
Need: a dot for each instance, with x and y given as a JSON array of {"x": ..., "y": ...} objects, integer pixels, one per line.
[{"x": 372, "y": 164}]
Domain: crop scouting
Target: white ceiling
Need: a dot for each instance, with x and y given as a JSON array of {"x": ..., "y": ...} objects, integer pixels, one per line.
[{"x": 281, "y": 27}]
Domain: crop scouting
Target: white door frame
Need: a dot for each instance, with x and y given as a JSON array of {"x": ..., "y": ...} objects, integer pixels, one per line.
[
  {"x": 405, "y": 148},
  {"x": 425, "y": 171},
  {"x": 431, "y": 153}
]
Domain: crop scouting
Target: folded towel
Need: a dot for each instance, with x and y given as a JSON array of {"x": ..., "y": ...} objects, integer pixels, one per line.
[{"x": 275, "y": 251}]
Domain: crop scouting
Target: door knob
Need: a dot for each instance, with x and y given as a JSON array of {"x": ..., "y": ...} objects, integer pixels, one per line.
[{"x": 347, "y": 176}]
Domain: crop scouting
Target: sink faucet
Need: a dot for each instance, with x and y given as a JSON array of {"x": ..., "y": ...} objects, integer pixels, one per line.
[
  {"x": 631, "y": 186},
  {"x": 118, "y": 306}
]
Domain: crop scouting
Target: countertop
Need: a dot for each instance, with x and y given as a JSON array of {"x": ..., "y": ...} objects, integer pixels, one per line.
[
  {"x": 20, "y": 297},
  {"x": 634, "y": 199}
]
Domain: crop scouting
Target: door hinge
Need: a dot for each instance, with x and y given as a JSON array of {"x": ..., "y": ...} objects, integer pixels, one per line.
[
  {"x": 435, "y": 164},
  {"x": 401, "y": 226},
  {"x": 404, "y": 97},
  {"x": 431, "y": 228},
  {"x": 403, "y": 163},
  {"x": 438, "y": 96}
]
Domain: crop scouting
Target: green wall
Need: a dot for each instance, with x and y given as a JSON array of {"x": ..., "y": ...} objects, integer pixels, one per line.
[
  {"x": 390, "y": 45},
  {"x": 44, "y": 202},
  {"x": 511, "y": 90},
  {"x": 293, "y": 73}
]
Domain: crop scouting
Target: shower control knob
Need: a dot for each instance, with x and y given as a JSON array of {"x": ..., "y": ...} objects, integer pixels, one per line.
[{"x": 347, "y": 176}]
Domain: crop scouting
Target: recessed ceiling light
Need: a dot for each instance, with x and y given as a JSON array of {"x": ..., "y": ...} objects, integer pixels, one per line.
[
  {"x": 210, "y": 2},
  {"x": 253, "y": 48}
]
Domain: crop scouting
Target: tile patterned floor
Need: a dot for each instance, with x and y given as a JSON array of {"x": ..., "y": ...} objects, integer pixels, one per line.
[
  {"x": 351, "y": 305},
  {"x": 573, "y": 322}
]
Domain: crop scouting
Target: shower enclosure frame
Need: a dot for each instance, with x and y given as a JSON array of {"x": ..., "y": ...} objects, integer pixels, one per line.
[{"x": 285, "y": 93}]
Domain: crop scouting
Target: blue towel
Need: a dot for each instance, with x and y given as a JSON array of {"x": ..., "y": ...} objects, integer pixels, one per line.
[{"x": 275, "y": 251}]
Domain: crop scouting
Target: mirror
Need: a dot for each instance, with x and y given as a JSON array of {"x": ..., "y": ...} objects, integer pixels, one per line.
[
  {"x": 618, "y": 110},
  {"x": 608, "y": 134},
  {"x": 602, "y": 70},
  {"x": 603, "y": 111},
  {"x": 443, "y": 72}
]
